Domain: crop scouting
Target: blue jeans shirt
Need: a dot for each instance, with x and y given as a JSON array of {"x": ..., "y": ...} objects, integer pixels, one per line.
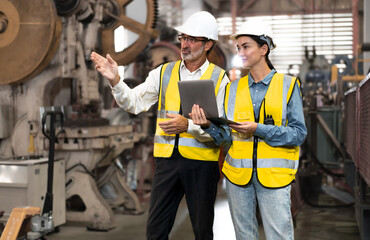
[{"x": 291, "y": 135}]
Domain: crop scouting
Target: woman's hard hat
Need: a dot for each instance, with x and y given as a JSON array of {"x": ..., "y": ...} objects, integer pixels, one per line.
[
  {"x": 257, "y": 28},
  {"x": 200, "y": 24}
]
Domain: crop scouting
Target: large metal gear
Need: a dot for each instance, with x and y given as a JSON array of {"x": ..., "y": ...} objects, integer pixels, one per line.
[
  {"x": 28, "y": 38},
  {"x": 162, "y": 52},
  {"x": 145, "y": 32},
  {"x": 28, "y": 41}
]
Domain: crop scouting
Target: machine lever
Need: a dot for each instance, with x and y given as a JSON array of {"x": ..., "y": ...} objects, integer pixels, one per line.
[{"x": 48, "y": 203}]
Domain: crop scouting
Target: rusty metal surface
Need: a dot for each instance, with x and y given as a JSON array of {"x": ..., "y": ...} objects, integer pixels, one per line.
[
  {"x": 162, "y": 52},
  {"x": 217, "y": 56},
  {"x": 146, "y": 32},
  {"x": 28, "y": 40},
  {"x": 364, "y": 144}
]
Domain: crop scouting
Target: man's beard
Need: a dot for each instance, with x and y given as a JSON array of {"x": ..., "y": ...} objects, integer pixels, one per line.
[{"x": 192, "y": 55}]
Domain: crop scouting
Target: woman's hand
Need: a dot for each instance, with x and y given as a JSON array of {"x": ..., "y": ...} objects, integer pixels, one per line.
[
  {"x": 246, "y": 128},
  {"x": 199, "y": 117},
  {"x": 107, "y": 67}
]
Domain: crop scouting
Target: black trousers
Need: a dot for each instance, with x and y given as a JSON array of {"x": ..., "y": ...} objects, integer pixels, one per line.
[{"x": 175, "y": 177}]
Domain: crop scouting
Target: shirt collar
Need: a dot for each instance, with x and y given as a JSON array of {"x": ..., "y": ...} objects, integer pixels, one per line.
[
  {"x": 266, "y": 80},
  {"x": 202, "y": 68}
]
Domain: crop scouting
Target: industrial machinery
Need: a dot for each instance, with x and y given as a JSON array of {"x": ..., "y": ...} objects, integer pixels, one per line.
[
  {"x": 337, "y": 146},
  {"x": 323, "y": 159},
  {"x": 356, "y": 142},
  {"x": 45, "y": 66}
]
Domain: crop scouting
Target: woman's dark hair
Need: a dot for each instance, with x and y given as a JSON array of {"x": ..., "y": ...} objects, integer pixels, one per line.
[{"x": 261, "y": 42}]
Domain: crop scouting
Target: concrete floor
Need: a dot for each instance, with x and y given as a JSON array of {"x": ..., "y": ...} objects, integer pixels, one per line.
[{"x": 312, "y": 223}]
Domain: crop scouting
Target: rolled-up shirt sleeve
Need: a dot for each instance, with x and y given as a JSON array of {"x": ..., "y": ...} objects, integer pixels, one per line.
[{"x": 140, "y": 98}]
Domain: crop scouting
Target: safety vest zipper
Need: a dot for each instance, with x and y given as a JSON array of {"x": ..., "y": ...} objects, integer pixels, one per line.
[
  {"x": 255, "y": 142},
  {"x": 177, "y": 135}
]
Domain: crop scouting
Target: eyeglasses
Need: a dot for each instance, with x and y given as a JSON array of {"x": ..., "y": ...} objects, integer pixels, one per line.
[{"x": 191, "y": 40}]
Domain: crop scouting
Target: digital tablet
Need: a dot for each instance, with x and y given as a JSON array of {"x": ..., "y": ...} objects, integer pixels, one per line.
[{"x": 201, "y": 92}]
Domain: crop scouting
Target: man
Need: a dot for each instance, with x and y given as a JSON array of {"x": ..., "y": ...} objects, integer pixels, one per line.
[{"x": 186, "y": 157}]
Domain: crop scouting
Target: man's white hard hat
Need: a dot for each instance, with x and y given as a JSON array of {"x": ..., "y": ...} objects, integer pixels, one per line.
[
  {"x": 257, "y": 28},
  {"x": 200, "y": 24}
]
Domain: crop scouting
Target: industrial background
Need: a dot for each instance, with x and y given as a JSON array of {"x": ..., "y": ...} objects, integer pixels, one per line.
[{"x": 57, "y": 112}]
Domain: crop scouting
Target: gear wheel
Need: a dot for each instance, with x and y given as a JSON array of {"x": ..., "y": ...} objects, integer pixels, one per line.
[
  {"x": 146, "y": 32},
  {"x": 28, "y": 41}
]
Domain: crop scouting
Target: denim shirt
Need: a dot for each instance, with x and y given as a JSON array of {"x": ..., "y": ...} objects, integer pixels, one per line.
[{"x": 291, "y": 135}]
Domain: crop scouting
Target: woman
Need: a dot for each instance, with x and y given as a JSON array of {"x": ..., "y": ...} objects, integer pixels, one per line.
[{"x": 263, "y": 157}]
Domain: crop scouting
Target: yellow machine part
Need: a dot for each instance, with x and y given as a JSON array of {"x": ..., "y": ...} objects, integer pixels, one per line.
[{"x": 15, "y": 222}]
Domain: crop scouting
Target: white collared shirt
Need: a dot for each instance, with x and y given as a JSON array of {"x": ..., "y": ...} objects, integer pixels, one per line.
[{"x": 143, "y": 96}]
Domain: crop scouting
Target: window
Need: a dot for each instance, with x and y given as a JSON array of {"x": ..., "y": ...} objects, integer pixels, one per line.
[{"x": 330, "y": 34}]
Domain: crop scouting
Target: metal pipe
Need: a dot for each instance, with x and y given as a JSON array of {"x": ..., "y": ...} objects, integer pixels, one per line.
[
  {"x": 330, "y": 134},
  {"x": 356, "y": 29},
  {"x": 234, "y": 6}
]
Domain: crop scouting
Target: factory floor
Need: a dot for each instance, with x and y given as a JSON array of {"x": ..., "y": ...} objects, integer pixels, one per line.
[{"x": 311, "y": 223}]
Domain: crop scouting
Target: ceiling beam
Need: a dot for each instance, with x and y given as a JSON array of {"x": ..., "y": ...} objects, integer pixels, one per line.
[
  {"x": 301, "y": 5},
  {"x": 234, "y": 10},
  {"x": 246, "y": 6}
]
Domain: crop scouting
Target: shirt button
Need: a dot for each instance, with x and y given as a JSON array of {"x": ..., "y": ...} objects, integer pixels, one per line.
[
  {"x": 256, "y": 90},
  {"x": 254, "y": 104}
]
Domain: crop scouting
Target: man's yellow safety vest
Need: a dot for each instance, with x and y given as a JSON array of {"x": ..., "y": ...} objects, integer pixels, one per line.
[
  {"x": 275, "y": 166},
  {"x": 169, "y": 102}
]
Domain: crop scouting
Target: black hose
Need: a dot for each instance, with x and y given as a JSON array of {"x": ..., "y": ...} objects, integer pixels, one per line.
[
  {"x": 84, "y": 167},
  {"x": 327, "y": 171},
  {"x": 102, "y": 159},
  {"x": 306, "y": 200}
]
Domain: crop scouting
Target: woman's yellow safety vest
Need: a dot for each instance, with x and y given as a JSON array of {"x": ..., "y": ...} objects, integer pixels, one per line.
[
  {"x": 169, "y": 102},
  {"x": 275, "y": 166}
]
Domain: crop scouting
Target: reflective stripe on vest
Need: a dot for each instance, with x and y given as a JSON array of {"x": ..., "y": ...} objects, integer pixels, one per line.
[
  {"x": 276, "y": 166},
  {"x": 169, "y": 102}
]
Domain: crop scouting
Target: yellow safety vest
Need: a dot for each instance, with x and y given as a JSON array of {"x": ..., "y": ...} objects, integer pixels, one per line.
[
  {"x": 276, "y": 166},
  {"x": 169, "y": 102}
]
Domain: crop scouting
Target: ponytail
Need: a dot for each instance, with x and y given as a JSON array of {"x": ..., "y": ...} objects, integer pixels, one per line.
[{"x": 269, "y": 62}]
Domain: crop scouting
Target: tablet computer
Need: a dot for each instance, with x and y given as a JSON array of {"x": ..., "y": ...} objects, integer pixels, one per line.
[{"x": 201, "y": 92}]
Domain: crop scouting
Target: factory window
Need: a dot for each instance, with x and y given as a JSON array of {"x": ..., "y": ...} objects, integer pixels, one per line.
[
  {"x": 119, "y": 39},
  {"x": 330, "y": 34}
]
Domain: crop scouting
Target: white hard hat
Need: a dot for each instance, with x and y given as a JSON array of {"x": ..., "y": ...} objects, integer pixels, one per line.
[
  {"x": 200, "y": 24},
  {"x": 257, "y": 28}
]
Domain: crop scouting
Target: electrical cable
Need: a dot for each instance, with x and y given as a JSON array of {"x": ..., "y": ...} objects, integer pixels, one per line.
[
  {"x": 102, "y": 159},
  {"x": 84, "y": 167},
  {"x": 306, "y": 200},
  {"x": 327, "y": 171}
]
